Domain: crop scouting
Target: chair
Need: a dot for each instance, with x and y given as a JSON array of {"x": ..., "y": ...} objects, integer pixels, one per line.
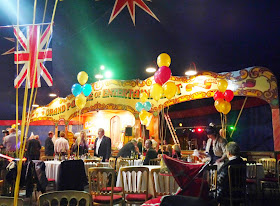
[
  {"x": 92, "y": 160},
  {"x": 72, "y": 175},
  {"x": 155, "y": 161},
  {"x": 112, "y": 162},
  {"x": 251, "y": 176},
  {"x": 163, "y": 184},
  {"x": 47, "y": 158},
  {"x": 101, "y": 186},
  {"x": 135, "y": 184},
  {"x": 211, "y": 178},
  {"x": 244, "y": 159},
  {"x": 9, "y": 201},
  {"x": 1, "y": 186},
  {"x": 121, "y": 163},
  {"x": 50, "y": 180},
  {"x": 100, "y": 164},
  {"x": 269, "y": 166},
  {"x": 237, "y": 184},
  {"x": 67, "y": 197},
  {"x": 270, "y": 181},
  {"x": 129, "y": 160}
]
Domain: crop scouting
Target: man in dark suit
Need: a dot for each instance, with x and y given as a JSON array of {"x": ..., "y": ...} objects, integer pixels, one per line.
[
  {"x": 102, "y": 146},
  {"x": 151, "y": 153},
  {"x": 233, "y": 155},
  {"x": 128, "y": 149}
]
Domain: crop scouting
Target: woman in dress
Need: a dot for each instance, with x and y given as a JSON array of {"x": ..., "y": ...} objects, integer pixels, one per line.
[{"x": 82, "y": 142}]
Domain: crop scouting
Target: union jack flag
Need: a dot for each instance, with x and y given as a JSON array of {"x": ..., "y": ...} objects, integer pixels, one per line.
[{"x": 33, "y": 45}]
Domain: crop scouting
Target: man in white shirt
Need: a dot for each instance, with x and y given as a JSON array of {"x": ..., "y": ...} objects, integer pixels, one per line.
[
  {"x": 61, "y": 145},
  {"x": 102, "y": 146},
  {"x": 10, "y": 141}
]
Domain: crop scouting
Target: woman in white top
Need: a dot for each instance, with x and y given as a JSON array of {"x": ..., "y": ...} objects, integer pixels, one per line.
[{"x": 216, "y": 145}]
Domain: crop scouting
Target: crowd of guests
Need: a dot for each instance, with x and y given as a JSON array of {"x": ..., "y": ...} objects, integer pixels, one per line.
[
  {"x": 151, "y": 149},
  {"x": 217, "y": 150},
  {"x": 53, "y": 145}
]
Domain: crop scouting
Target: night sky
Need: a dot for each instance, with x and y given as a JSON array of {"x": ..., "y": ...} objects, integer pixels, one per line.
[{"x": 218, "y": 36}]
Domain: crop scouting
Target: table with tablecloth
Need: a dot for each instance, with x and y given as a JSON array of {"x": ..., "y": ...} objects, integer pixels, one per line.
[
  {"x": 150, "y": 180},
  {"x": 137, "y": 162},
  {"x": 52, "y": 168}
]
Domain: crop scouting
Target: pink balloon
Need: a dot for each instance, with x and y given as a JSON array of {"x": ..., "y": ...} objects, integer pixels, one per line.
[
  {"x": 162, "y": 75},
  {"x": 157, "y": 78}
]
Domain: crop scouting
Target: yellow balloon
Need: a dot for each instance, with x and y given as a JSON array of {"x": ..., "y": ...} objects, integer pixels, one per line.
[
  {"x": 169, "y": 89},
  {"x": 156, "y": 91},
  {"x": 143, "y": 115},
  {"x": 80, "y": 101},
  {"x": 225, "y": 107},
  {"x": 218, "y": 104},
  {"x": 222, "y": 85},
  {"x": 143, "y": 97},
  {"x": 82, "y": 77},
  {"x": 145, "y": 121},
  {"x": 163, "y": 60}
]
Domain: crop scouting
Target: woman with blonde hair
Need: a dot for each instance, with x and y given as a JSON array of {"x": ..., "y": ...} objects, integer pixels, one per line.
[
  {"x": 82, "y": 142},
  {"x": 176, "y": 151}
]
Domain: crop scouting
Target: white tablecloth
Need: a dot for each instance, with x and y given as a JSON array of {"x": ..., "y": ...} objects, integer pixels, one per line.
[
  {"x": 53, "y": 167},
  {"x": 150, "y": 182},
  {"x": 135, "y": 162}
]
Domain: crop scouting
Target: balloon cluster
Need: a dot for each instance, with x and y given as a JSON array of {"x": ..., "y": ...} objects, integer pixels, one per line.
[
  {"x": 144, "y": 108},
  {"x": 162, "y": 75},
  {"x": 82, "y": 90},
  {"x": 223, "y": 97}
]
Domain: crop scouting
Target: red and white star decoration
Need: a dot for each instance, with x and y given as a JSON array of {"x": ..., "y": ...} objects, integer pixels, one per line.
[
  {"x": 120, "y": 4},
  {"x": 12, "y": 50}
]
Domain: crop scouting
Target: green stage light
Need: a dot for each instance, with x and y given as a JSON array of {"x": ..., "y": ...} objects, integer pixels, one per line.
[
  {"x": 108, "y": 74},
  {"x": 231, "y": 128}
]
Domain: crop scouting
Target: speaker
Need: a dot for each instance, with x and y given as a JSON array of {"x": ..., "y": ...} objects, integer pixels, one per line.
[{"x": 128, "y": 131}]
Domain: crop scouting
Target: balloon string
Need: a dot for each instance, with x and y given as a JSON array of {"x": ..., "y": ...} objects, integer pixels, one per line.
[{"x": 238, "y": 116}]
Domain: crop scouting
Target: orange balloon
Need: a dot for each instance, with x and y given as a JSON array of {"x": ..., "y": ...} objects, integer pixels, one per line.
[
  {"x": 218, "y": 104},
  {"x": 222, "y": 85},
  {"x": 225, "y": 107},
  {"x": 169, "y": 89}
]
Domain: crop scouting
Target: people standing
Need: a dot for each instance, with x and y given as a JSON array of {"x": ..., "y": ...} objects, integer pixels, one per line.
[
  {"x": 81, "y": 143},
  {"x": 216, "y": 145},
  {"x": 140, "y": 144},
  {"x": 151, "y": 152},
  {"x": 176, "y": 153},
  {"x": 128, "y": 149},
  {"x": 102, "y": 146},
  {"x": 49, "y": 146},
  {"x": 10, "y": 141},
  {"x": 33, "y": 148},
  {"x": 61, "y": 145}
]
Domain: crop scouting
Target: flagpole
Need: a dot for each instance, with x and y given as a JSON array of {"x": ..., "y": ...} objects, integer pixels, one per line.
[{"x": 8, "y": 26}]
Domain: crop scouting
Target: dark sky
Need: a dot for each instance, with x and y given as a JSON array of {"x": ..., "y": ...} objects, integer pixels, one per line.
[{"x": 217, "y": 35}]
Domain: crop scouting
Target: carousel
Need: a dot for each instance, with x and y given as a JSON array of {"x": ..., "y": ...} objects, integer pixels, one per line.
[{"x": 122, "y": 107}]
